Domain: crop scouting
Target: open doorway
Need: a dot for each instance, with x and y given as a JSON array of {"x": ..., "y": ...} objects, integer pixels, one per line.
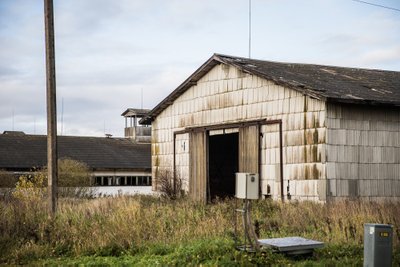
[{"x": 223, "y": 163}]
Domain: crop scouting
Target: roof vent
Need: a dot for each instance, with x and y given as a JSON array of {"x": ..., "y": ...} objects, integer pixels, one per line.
[
  {"x": 329, "y": 71},
  {"x": 14, "y": 133}
]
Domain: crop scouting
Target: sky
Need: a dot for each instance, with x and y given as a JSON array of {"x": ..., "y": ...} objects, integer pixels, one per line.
[{"x": 108, "y": 52}]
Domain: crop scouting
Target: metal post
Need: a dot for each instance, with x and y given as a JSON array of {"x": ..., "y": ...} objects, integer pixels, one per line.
[
  {"x": 281, "y": 159},
  {"x": 174, "y": 163},
  {"x": 51, "y": 107}
]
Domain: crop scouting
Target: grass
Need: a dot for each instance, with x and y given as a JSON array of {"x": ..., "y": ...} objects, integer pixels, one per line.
[
  {"x": 216, "y": 252},
  {"x": 144, "y": 230}
]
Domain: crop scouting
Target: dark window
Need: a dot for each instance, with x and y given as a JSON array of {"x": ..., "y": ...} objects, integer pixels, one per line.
[{"x": 140, "y": 180}]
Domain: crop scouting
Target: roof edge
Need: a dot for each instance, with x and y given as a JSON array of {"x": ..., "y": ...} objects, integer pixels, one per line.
[{"x": 214, "y": 60}]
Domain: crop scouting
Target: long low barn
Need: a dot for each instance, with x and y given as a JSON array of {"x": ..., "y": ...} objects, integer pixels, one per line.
[
  {"x": 312, "y": 132},
  {"x": 112, "y": 161}
]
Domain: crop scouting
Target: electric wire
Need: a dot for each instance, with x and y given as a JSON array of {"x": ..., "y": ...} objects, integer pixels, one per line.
[{"x": 372, "y": 4}]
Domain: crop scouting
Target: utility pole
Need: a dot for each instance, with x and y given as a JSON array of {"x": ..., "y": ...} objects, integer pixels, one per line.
[{"x": 51, "y": 107}]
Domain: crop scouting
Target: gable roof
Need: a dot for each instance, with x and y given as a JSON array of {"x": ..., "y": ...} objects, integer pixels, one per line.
[
  {"x": 135, "y": 112},
  {"x": 28, "y": 151},
  {"x": 328, "y": 83}
]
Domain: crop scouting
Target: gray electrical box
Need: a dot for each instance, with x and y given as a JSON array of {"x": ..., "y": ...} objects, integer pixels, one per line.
[
  {"x": 378, "y": 245},
  {"x": 247, "y": 185}
]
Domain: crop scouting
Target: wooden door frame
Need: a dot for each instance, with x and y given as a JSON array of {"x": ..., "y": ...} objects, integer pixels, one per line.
[{"x": 208, "y": 128}]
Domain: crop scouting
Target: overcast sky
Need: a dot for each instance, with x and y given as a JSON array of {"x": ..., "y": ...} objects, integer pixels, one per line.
[{"x": 108, "y": 50}]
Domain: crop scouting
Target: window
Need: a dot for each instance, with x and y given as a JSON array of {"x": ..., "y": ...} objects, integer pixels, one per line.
[{"x": 97, "y": 181}]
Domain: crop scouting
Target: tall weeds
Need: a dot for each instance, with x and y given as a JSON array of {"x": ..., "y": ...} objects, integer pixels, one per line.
[{"x": 111, "y": 226}]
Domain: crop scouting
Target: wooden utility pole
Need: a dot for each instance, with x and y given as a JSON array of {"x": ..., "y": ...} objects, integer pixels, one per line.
[{"x": 51, "y": 107}]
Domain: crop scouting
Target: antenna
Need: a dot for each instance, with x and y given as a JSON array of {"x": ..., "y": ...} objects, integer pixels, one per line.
[
  {"x": 141, "y": 97},
  {"x": 62, "y": 115},
  {"x": 34, "y": 125},
  {"x": 13, "y": 119},
  {"x": 249, "y": 28}
]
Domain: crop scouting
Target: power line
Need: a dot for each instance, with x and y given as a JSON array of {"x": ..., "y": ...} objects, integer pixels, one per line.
[{"x": 372, "y": 4}]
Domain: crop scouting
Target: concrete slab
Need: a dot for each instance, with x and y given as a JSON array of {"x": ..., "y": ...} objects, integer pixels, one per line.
[{"x": 291, "y": 245}]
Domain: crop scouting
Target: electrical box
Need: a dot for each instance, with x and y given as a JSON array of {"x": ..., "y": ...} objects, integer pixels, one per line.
[
  {"x": 247, "y": 185},
  {"x": 378, "y": 240}
]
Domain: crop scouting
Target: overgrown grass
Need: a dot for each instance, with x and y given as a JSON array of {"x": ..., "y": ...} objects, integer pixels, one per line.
[
  {"x": 215, "y": 252},
  {"x": 145, "y": 230}
]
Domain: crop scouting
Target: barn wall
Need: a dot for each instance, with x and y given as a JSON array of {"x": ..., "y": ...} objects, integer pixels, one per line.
[
  {"x": 363, "y": 152},
  {"x": 226, "y": 95},
  {"x": 182, "y": 159}
]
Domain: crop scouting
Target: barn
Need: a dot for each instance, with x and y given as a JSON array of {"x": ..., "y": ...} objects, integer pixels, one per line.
[
  {"x": 111, "y": 161},
  {"x": 312, "y": 132}
]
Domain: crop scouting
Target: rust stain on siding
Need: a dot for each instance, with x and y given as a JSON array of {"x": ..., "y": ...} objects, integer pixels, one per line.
[
  {"x": 311, "y": 172},
  {"x": 225, "y": 100},
  {"x": 295, "y": 138},
  {"x": 156, "y": 149},
  {"x": 225, "y": 68},
  {"x": 311, "y": 136},
  {"x": 314, "y": 153},
  {"x": 306, "y": 189},
  {"x": 310, "y": 141},
  {"x": 186, "y": 120},
  {"x": 316, "y": 121},
  {"x": 156, "y": 152},
  {"x": 305, "y": 129}
]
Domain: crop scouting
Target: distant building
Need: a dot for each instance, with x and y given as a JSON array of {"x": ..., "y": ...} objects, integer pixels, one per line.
[
  {"x": 133, "y": 130},
  {"x": 112, "y": 161},
  {"x": 312, "y": 132}
]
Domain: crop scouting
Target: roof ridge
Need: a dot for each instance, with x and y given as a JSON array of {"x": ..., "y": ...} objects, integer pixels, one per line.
[
  {"x": 324, "y": 82},
  {"x": 302, "y": 63}
]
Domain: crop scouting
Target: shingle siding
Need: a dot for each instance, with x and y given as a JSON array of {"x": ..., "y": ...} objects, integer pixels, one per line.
[
  {"x": 363, "y": 151},
  {"x": 227, "y": 95}
]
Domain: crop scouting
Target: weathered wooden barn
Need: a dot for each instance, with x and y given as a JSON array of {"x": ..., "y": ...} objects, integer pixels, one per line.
[{"x": 312, "y": 132}]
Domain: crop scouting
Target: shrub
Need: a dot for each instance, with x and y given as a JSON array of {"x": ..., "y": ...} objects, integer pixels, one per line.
[
  {"x": 73, "y": 173},
  {"x": 168, "y": 186},
  {"x": 31, "y": 188},
  {"x": 74, "y": 179}
]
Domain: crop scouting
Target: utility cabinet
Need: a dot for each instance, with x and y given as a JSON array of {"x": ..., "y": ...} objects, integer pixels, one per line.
[
  {"x": 378, "y": 240},
  {"x": 247, "y": 185}
]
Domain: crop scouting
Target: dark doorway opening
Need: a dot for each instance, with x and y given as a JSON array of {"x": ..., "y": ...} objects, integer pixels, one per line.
[{"x": 223, "y": 163}]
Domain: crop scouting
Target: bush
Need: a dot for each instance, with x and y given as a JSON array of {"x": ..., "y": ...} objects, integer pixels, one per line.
[
  {"x": 31, "y": 188},
  {"x": 74, "y": 180},
  {"x": 168, "y": 186},
  {"x": 73, "y": 173}
]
